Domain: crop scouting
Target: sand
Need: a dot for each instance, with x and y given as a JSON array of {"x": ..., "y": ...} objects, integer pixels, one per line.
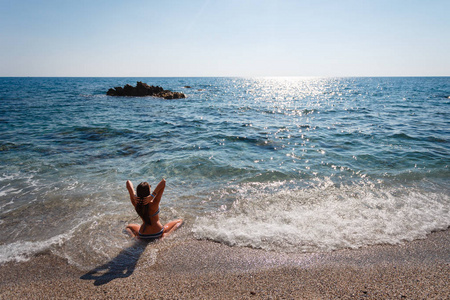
[{"x": 184, "y": 268}]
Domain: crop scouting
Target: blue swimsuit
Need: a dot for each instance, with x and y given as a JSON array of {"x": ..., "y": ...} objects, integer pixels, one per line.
[{"x": 151, "y": 236}]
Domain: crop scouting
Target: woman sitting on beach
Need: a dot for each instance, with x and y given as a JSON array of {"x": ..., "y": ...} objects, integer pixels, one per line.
[{"x": 147, "y": 207}]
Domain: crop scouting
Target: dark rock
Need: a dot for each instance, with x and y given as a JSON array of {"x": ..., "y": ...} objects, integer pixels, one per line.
[
  {"x": 142, "y": 89},
  {"x": 187, "y": 86}
]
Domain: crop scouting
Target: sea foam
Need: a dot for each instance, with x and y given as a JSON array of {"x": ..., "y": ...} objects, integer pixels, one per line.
[
  {"x": 324, "y": 218},
  {"x": 24, "y": 250}
]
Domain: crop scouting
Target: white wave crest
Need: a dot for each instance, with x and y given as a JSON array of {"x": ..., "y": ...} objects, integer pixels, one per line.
[
  {"x": 24, "y": 250},
  {"x": 325, "y": 218}
]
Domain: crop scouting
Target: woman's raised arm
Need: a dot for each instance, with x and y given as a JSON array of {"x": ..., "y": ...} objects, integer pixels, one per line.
[
  {"x": 130, "y": 189},
  {"x": 158, "y": 191}
]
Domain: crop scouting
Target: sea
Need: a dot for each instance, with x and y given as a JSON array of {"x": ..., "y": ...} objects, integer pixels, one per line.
[{"x": 295, "y": 164}]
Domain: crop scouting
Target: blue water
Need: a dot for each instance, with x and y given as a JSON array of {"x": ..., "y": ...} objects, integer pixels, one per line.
[{"x": 282, "y": 164}]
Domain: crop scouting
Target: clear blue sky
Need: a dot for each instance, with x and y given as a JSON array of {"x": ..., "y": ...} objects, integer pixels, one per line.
[{"x": 224, "y": 38}]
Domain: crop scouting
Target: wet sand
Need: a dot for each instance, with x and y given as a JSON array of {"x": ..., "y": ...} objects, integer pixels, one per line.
[{"x": 180, "y": 268}]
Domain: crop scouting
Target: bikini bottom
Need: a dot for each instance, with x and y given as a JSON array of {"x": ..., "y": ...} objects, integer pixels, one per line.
[{"x": 151, "y": 236}]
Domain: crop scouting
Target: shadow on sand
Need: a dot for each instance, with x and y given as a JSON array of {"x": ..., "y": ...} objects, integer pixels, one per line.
[{"x": 121, "y": 266}]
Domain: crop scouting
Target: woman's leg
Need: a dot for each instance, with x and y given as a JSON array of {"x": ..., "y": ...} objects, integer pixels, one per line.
[
  {"x": 133, "y": 229},
  {"x": 171, "y": 227}
]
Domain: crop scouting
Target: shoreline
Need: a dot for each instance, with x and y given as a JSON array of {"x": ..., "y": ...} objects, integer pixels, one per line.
[{"x": 189, "y": 269}]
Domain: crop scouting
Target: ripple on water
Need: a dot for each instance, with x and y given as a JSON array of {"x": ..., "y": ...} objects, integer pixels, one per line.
[{"x": 286, "y": 164}]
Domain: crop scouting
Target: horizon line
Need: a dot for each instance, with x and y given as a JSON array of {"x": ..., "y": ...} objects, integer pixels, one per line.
[{"x": 237, "y": 76}]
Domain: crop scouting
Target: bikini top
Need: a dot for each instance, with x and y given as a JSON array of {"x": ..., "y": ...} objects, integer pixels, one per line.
[{"x": 156, "y": 213}]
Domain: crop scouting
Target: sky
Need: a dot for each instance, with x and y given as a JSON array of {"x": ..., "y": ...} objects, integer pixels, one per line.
[{"x": 138, "y": 38}]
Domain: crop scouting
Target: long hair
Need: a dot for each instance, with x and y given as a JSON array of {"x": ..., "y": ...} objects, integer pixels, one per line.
[{"x": 142, "y": 191}]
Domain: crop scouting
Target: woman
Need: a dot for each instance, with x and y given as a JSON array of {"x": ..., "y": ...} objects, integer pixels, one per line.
[{"x": 147, "y": 207}]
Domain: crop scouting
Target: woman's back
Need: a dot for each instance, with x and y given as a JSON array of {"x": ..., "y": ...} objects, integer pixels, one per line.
[{"x": 147, "y": 207}]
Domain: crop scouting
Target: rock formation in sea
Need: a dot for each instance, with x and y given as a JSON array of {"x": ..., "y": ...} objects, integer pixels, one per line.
[{"x": 142, "y": 89}]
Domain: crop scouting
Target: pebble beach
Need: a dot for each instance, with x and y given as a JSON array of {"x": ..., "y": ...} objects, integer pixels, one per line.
[{"x": 192, "y": 269}]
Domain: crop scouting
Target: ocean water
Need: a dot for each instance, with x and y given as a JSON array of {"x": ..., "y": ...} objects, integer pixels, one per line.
[{"x": 281, "y": 164}]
